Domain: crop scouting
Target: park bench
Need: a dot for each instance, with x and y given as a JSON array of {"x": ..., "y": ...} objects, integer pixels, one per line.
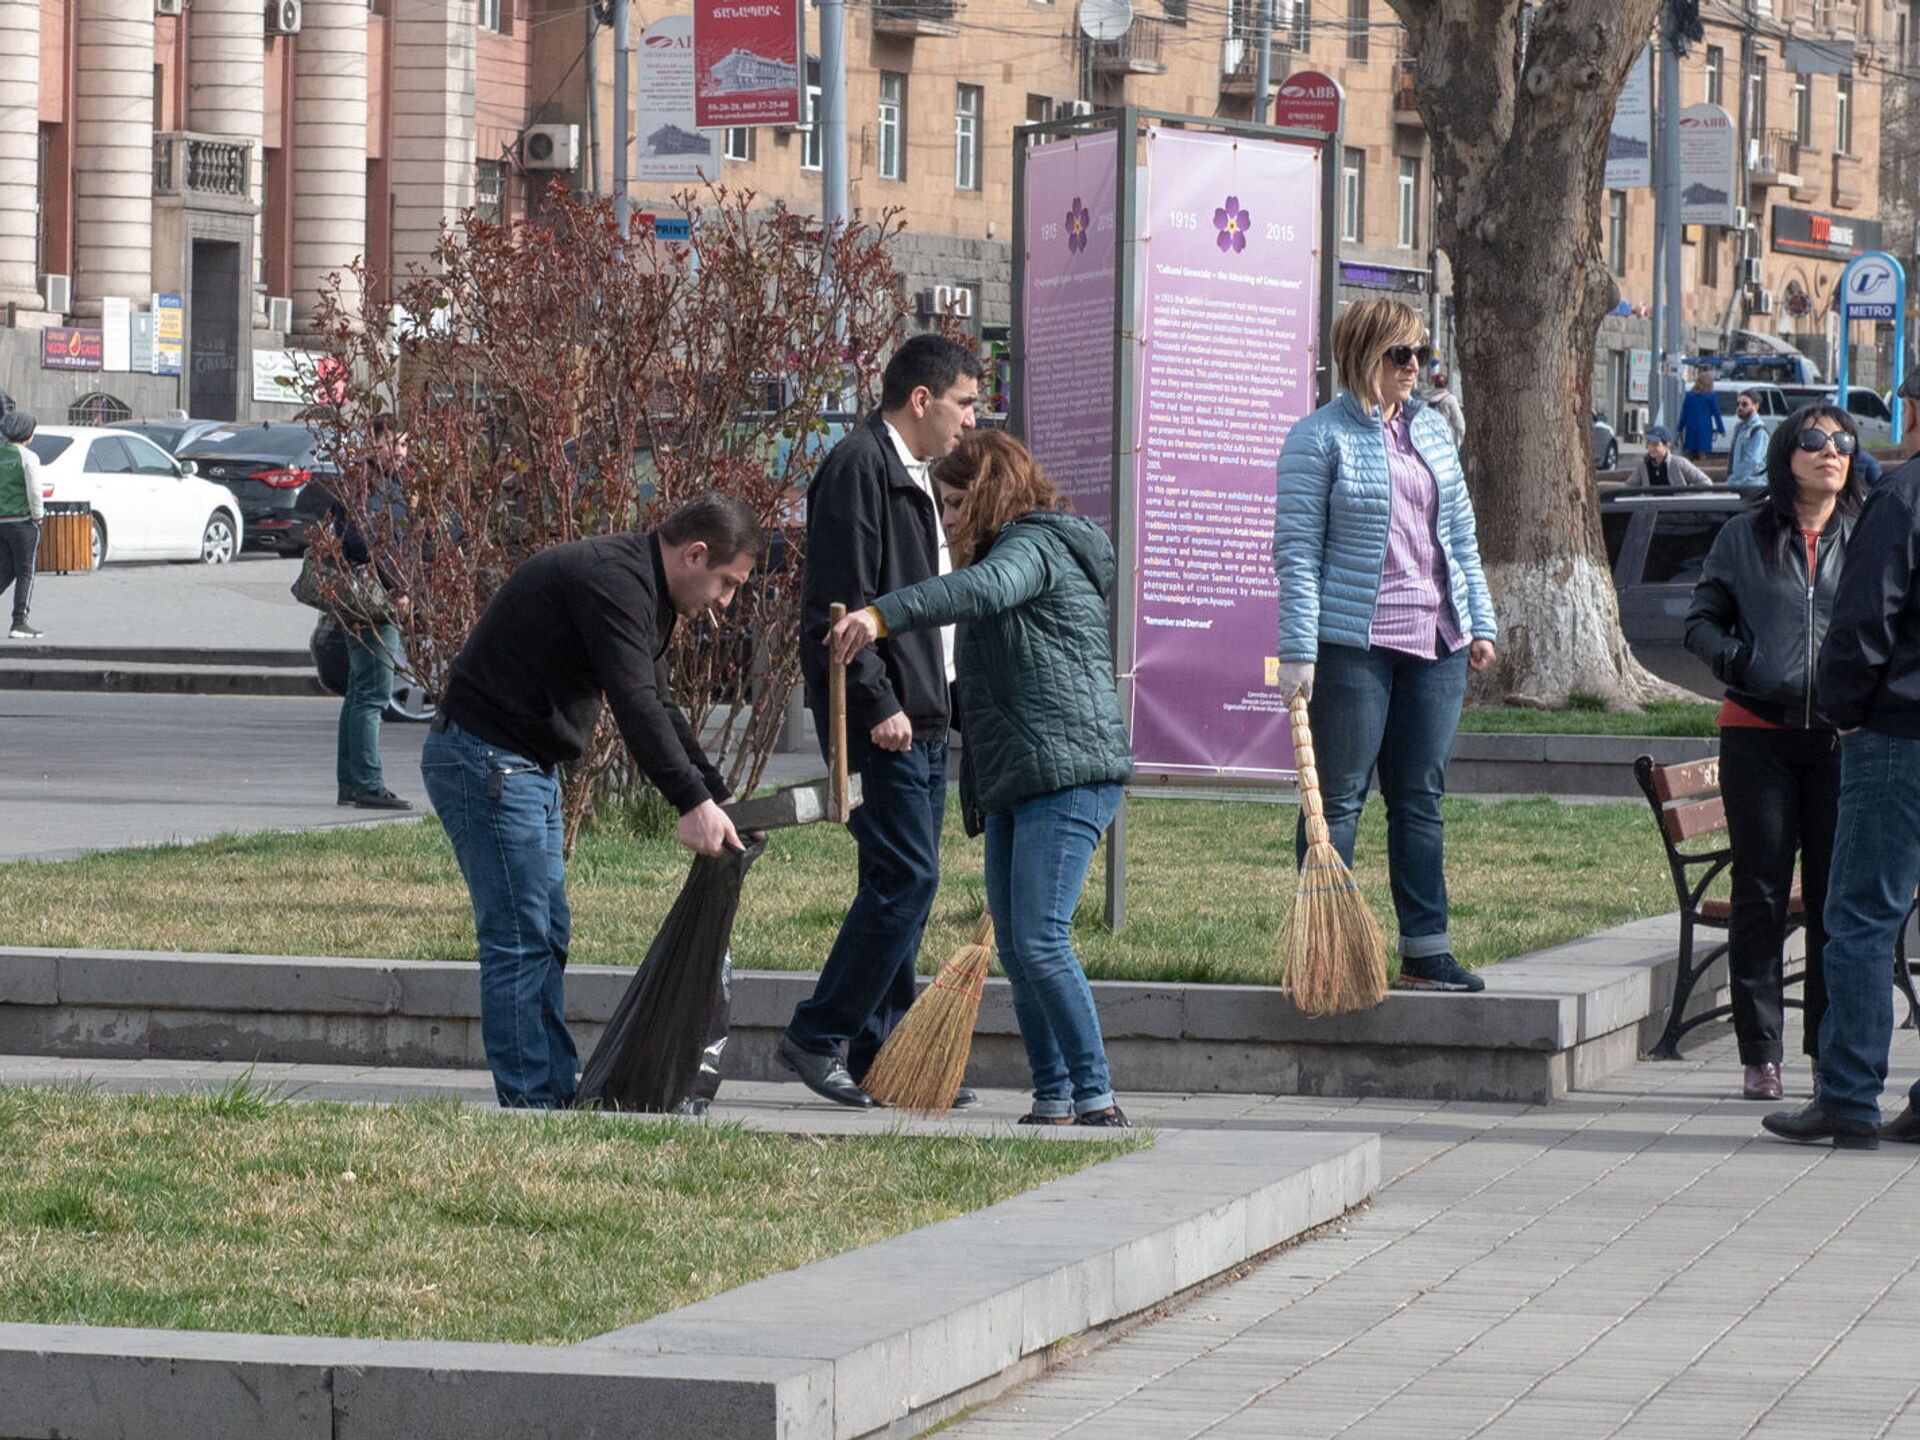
[{"x": 1690, "y": 813}]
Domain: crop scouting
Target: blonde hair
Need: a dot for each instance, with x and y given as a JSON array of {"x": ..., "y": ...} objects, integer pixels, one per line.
[{"x": 1363, "y": 334}]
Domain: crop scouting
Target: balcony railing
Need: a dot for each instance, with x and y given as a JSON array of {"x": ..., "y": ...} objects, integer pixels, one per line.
[
  {"x": 1773, "y": 158},
  {"x": 916, "y": 17},
  {"x": 1406, "y": 109},
  {"x": 1138, "y": 52},
  {"x": 202, "y": 165}
]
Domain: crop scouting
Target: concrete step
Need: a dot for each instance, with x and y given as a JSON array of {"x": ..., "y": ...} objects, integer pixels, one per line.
[
  {"x": 221, "y": 656},
  {"x": 98, "y": 676}
]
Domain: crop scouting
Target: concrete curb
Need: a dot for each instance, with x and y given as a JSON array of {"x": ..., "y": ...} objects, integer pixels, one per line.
[
  {"x": 922, "y": 1323},
  {"x": 1548, "y": 1023},
  {"x": 91, "y": 676}
]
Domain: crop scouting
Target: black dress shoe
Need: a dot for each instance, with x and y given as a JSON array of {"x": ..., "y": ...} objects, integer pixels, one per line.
[
  {"x": 964, "y": 1099},
  {"x": 1810, "y": 1123},
  {"x": 1904, "y": 1127},
  {"x": 824, "y": 1075}
]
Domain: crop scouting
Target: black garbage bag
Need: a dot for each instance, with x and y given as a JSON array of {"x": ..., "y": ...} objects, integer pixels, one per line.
[{"x": 662, "y": 1048}]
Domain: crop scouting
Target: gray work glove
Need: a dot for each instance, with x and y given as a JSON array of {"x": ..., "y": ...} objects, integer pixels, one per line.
[{"x": 1296, "y": 677}]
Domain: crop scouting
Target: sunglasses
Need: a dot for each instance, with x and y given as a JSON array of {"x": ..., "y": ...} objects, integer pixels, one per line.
[
  {"x": 1813, "y": 440},
  {"x": 1401, "y": 356}
]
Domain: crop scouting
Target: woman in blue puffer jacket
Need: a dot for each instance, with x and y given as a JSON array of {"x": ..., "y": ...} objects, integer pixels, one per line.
[{"x": 1383, "y": 609}]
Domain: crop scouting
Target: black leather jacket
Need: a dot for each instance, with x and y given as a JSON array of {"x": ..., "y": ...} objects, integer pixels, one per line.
[{"x": 1760, "y": 628}]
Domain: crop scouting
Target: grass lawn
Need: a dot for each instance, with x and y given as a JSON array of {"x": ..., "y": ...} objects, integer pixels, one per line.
[
  {"x": 1209, "y": 883},
  {"x": 237, "y": 1211},
  {"x": 1690, "y": 719}
]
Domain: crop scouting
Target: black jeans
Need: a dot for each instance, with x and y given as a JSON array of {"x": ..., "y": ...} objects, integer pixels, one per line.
[
  {"x": 868, "y": 980},
  {"x": 1782, "y": 793},
  {"x": 19, "y": 544}
]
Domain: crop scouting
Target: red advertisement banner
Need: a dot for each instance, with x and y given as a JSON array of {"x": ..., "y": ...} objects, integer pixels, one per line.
[
  {"x": 64, "y": 349},
  {"x": 747, "y": 56}
]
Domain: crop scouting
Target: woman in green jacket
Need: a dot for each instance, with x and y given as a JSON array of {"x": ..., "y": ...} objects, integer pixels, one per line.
[{"x": 1046, "y": 751}]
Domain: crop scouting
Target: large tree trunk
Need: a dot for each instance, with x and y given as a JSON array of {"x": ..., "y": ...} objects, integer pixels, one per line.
[{"x": 1519, "y": 157}]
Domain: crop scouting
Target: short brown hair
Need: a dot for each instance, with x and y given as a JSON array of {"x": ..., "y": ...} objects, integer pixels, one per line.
[
  {"x": 1363, "y": 334},
  {"x": 1002, "y": 482}
]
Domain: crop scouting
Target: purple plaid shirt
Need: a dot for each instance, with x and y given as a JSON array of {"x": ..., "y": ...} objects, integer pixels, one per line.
[{"x": 1414, "y": 611}]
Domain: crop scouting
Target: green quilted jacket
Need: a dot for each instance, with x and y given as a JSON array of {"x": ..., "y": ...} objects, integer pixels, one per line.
[{"x": 1036, "y": 685}]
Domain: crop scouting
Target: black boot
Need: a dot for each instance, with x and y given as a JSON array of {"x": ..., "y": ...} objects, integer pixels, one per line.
[{"x": 1810, "y": 1123}]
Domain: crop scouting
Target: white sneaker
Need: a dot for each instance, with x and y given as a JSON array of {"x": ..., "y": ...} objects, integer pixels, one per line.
[{"x": 23, "y": 632}]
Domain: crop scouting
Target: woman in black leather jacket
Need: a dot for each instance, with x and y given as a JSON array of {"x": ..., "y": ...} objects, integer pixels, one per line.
[{"x": 1758, "y": 616}]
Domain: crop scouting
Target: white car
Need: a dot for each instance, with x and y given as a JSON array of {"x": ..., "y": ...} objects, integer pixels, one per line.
[{"x": 146, "y": 504}]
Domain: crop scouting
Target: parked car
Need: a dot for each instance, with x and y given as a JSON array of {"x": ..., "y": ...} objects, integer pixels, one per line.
[
  {"x": 1657, "y": 544},
  {"x": 1774, "y": 407},
  {"x": 1870, "y": 413},
  {"x": 328, "y": 646},
  {"x": 1606, "y": 446},
  {"x": 146, "y": 505},
  {"x": 172, "y": 436},
  {"x": 276, "y": 472}
]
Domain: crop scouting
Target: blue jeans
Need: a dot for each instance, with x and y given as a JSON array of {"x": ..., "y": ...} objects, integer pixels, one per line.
[
  {"x": 1380, "y": 707},
  {"x": 502, "y": 813},
  {"x": 867, "y": 983},
  {"x": 1037, "y": 857},
  {"x": 370, "y": 664},
  {"x": 1876, "y": 864}
]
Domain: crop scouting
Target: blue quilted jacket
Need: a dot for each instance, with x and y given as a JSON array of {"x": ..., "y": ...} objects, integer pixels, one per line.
[{"x": 1331, "y": 520}]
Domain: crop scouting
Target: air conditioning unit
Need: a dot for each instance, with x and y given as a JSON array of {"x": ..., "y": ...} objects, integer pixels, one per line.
[
  {"x": 1634, "y": 418},
  {"x": 59, "y": 296},
  {"x": 1075, "y": 107},
  {"x": 1750, "y": 271},
  {"x": 279, "y": 313},
  {"x": 283, "y": 17},
  {"x": 1739, "y": 217},
  {"x": 954, "y": 300},
  {"x": 166, "y": 7},
  {"x": 551, "y": 147},
  {"x": 799, "y": 127},
  {"x": 1233, "y": 50},
  {"x": 1763, "y": 302}
]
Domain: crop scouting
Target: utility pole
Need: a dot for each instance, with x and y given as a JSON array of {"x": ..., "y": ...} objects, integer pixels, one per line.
[
  {"x": 622, "y": 120},
  {"x": 833, "y": 117},
  {"x": 1742, "y": 251},
  {"x": 1673, "y": 331},
  {"x": 1263, "y": 63}
]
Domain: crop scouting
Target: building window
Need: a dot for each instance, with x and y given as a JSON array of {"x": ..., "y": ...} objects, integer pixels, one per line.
[
  {"x": 811, "y": 152},
  {"x": 1757, "y": 97},
  {"x": 966, "y": 137},
  {"x": 893, "y": 113},
  {"x": 489, "y": 190},
  {"x": 1358, "y": 20},
  {"x": 491, "y": 16},
  {"x": 1716, "y": 67},
  {"x": 1409, "y": 231},
  {"x": 739, "y": 145},
  {"x": 1040, "y": 109},
  {"x": 1843, "y": 114},
  {"x": 1353, "y": 191},
  {"x": 1617, "y": 232},
  {"x": 1802, "y": 110},
  {"x": 1709, "y": 257},
  {"x": 1300, "y": 27}
]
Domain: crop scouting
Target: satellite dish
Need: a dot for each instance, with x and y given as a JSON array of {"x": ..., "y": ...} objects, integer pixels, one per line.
[{"x": 1105, "y": 19}]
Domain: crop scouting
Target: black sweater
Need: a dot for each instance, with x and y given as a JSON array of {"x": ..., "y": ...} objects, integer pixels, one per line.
[
  {"x": 1870, "y": 663},
  {"x": 572, "y": 624}
]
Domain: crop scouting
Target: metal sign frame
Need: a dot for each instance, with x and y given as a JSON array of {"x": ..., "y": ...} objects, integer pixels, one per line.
[
  {"x": 1841, "y": 365},
  {"x": 1131, "y": 124}
]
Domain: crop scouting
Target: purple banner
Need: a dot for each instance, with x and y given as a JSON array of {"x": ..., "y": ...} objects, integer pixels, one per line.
[
  {"x": 1229, "y": 306},
  {"x": 1067, "y": 318}
]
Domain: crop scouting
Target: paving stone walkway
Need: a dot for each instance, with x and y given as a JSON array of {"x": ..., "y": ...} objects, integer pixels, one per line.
[{"x": 1636, "y": 1261}]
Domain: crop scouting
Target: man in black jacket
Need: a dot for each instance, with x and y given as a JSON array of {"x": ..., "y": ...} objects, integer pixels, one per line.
[
  {"x": 873, "y": 526},
  {"x": 1869, "y": 686},
  {"x": 573, "y": 624}
]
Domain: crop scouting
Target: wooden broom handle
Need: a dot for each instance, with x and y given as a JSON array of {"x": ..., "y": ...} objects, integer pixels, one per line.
[
  {"x": 837, "y": 725},
  {"x": 1310, "y": 805}
]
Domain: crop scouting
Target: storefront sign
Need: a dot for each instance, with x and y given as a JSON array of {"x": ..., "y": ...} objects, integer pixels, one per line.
[
  {"x": 671, "y": 149},
  {"x": 1309, "y": 101},
  {"x": 747, "y": 62},
  {"x": 1630, "y": 142},
  {"x": 1828, "y": 237},
  {"x": 1382, "y": 277},
  {"x": 64, "y": 349}
]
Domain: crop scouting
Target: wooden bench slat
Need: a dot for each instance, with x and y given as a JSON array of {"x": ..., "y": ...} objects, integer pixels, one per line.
[
  {"x": 1685, "y": 782},
  {"x": 1720, "y": 909},
  {"x": 1694, "y": 819}
]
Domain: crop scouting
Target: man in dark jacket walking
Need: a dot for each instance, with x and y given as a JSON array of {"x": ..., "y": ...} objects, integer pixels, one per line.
[
  {"x": 575, "y": 623},
  {"x": 1869, "y": 684},
  {"x": 873, "y": 527}
]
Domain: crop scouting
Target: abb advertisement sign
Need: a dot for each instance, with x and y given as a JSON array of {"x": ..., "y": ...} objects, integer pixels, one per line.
[
  {"x": 747, "y": 62},
  {"x": 1309, "y": 101}
]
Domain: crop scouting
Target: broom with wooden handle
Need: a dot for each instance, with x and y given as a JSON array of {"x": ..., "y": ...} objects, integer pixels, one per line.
[
  {"x": 921, "y": 1065},
  {"x": 1332, "y": 956}
]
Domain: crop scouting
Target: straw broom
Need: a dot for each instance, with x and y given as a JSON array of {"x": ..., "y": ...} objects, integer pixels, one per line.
[
  {"x": 1332, "y": 956},
  {"x": 921, "y": 1065}
]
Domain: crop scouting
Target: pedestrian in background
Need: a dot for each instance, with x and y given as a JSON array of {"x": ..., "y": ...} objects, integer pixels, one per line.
[
  {"x": 1700, "y": 418},
  {"x": 21, "y": 509},
  {"x": 1440, "y": 398},
  {"x": 1747, "y": 449},
  {"x": 1660, "y": 468},
  {"x": 1047, "y": 751},
  {"x": 1869, "y": 687},
  {"x": 1759, "y": 615},
  {"x": 873, "y": 527},
  {"x": 373, "y": 636},
  {"x": 1383, "y": 609}
]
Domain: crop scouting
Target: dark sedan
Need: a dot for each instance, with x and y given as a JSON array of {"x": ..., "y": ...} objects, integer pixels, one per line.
[{"x": 278, "y": 475}]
